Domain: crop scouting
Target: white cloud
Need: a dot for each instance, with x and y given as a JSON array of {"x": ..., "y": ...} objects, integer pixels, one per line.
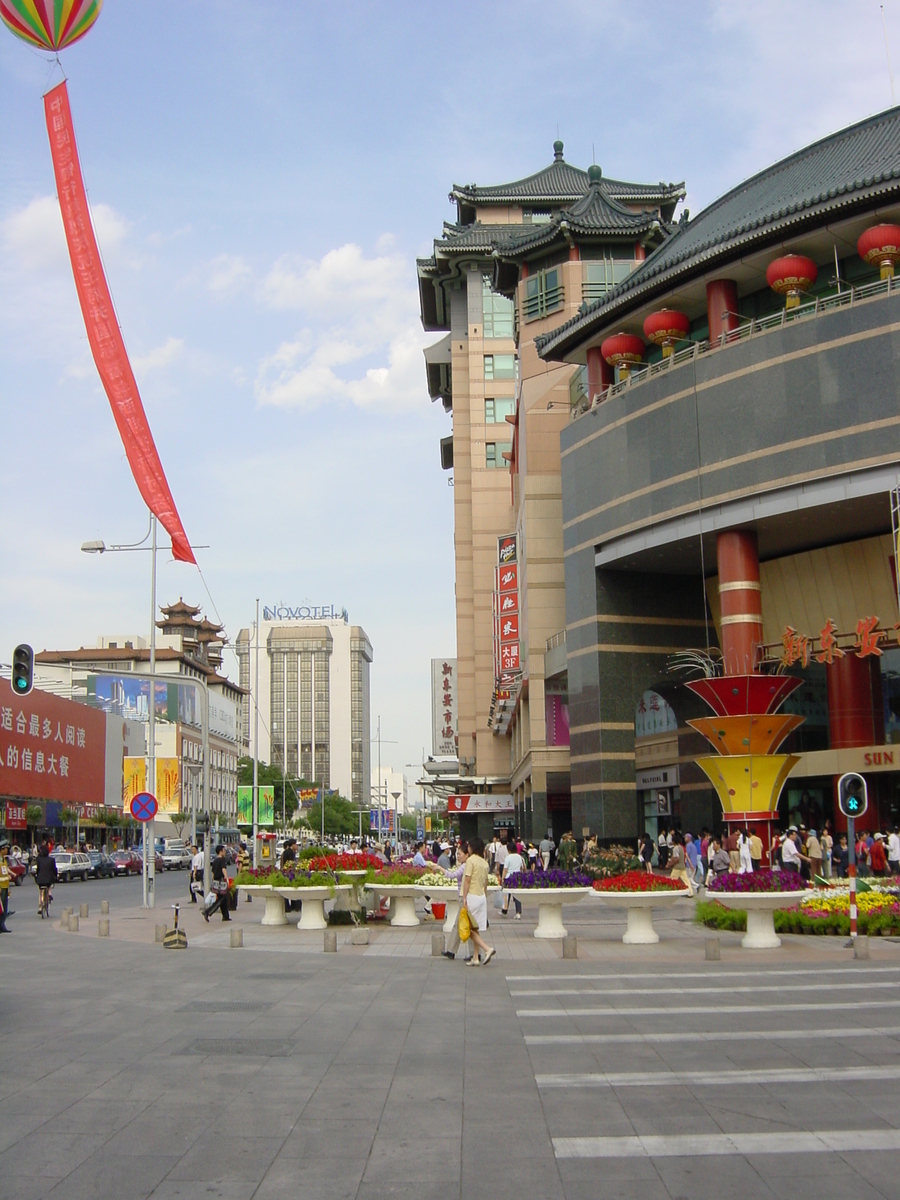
[
  {"x": 34, "y": 234},
  {"x": 228, "y": 274},
  {"x": 363, "y": 342},
  {"x": 158, "y": 358}
]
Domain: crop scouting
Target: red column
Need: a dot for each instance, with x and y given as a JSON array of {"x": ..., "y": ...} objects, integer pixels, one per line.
[
  {"x": 600, "y": 373},
  {"x": 721, "y": 307},
  {"x": 855, "y": 705},
  {"x": 740, "y": 599}
]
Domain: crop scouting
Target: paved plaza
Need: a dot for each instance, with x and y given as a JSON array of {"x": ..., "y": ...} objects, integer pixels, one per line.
[{"x": 128, "y": 1071}]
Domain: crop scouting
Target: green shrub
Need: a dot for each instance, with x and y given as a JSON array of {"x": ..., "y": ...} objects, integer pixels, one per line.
[
  {"x": 340, "y": 917},
  {"x": 792, "y": 920}
]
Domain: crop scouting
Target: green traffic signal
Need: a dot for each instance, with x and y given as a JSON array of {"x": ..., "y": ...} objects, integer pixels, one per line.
[{"x": 22, "y": 669}]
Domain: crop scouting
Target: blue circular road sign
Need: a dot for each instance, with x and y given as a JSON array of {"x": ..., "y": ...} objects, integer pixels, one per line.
[{"x": 144, "y": 806}]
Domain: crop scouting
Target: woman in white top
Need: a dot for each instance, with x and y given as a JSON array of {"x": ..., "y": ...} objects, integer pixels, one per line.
[
  {"x": 514, "y": 862},
  {"x": 744, "y": 851}
]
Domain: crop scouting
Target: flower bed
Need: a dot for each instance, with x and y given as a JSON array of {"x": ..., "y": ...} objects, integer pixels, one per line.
[
  {"x": 292, "y": 878},
  {"x": 639, "y": 881},
  {"x": 883, "y": 921},
  {"x": 343, "y": 862},
  {"x": 547, "y": 879},
  {"x": 396, "y": 876},
  {"x": 757, "y": 881},
  {"x": 435, "y": 879}
]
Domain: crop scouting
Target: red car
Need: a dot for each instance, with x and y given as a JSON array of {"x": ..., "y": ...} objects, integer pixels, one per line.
[
  {"x": 17, "y": 870},
  {"x": 126, "y": 862}
]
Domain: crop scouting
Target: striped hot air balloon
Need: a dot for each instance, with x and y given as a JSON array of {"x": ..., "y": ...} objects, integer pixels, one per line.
[{"x": 50, "y": 24}]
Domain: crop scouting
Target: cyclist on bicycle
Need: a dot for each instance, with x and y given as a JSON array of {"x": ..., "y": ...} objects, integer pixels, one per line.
[{"x": 46, "y": 877}]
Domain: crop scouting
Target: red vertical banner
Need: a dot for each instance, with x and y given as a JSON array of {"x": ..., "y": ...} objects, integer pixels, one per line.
[{"x": 102, "y": 327}]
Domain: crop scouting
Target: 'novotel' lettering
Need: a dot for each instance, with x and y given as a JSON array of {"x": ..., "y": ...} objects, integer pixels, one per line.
[{"x": 305, "y": 612}]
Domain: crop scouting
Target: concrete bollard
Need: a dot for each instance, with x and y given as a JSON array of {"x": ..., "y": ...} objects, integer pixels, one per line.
[
  {"x": 237, "y": 939},
  {"x": 103, "y": 927},
  {"x": 330, "y": 946},
  {"x": 713, "y": 950},
  {"x": 104, "y": 908},
  {"x": 73, "y": 923},
  {"x": 570, "y": 947},
  {"x": 359, "y": 937},
  {"x": 437, "y": 945},
  {"x": 161, "y": 933},
  {"x": 861, "y": 946},
  {"x": 84, "y": 911}
]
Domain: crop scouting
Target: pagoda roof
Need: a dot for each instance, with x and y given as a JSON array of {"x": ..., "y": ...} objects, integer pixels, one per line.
[
  {"x": 180, "y": 609},
  {"x": 851, "y": 170},
  {"x": 562, "y": 183}
]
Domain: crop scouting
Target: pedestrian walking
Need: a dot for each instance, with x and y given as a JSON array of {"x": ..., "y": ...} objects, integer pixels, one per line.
[
  {"x": 514, "y": 862},
  {"x": 746, "y": 860},
  {"x": 474, "y": 896},
  {"x": 196, "y": 881},
  {"x": 814, "y": 854},
  {"x": 677, "y": 868},
  {"x": 877, "y": 856},
  {"x": 645, "y": 853},
  {"x": 4, "y": 886},
  {"x": 546, "y": 851},
  {"x": 219, "y": 887},
  {"x": 893, "y": 851},
  {"x": 452, "y": 941},
  {"x": 568, "y": 851}
]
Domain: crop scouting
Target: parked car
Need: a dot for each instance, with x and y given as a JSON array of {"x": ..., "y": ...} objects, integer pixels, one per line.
[
  {"x": 102, "y": 866},
  {"x": 71, "y": 865},
  {"x": 176, "y": 858},
  {"x": 126, "y": 862}
]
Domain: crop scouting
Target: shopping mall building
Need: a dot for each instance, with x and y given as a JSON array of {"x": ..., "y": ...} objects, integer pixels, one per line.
[{"x": 728, "y": 474}]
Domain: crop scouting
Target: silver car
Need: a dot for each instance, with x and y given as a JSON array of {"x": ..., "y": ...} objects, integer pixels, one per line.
[
  {"x": 177, "y": 858},
  {"x": 71, "y": 866}
]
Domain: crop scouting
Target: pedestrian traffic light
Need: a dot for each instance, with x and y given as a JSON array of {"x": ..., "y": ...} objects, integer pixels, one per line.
[
  {"x": 202, "y": 824},
  {"x": 22, "y": 670},
  {"x": 853, "y": 795}
]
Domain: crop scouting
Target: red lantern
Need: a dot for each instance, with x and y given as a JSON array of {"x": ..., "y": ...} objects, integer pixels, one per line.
[
  {"x": 880, "y": 246},
  {"x": 791, "y": 276},
  {"x": 665, "y": 328},
  {"x": 623, "y": 350}
]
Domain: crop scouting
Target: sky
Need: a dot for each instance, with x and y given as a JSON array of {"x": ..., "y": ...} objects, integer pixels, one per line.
[{"x": 262, "y": 177}]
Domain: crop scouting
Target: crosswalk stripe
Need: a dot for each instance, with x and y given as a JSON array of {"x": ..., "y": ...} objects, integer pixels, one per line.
[
  {"x": 656, "y": 1079},
  {"x": 840, "y": 1141},
  {"x": 715, "y": 974},
  {"x": 728, "y": 1035},
  {"x": 700, "y": 991},
  {"x": 705, "y": 1009}
]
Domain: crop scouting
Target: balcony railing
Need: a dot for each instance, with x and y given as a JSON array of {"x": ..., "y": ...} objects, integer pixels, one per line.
[
  {"x": 844, "y": 298},
  {"x": 558, "y": 639}
]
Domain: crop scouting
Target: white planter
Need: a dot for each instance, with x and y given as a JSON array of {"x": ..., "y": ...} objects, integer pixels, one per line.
[
  {"x": 448, "y": 895},
  {"x": 312, "y": 914},
  {"x": 403, "y": 901},
  {"x": 639, "y": 912},
  {"x": 760, "y": 909},
  {"x": 274, "y": 914},
  {"x": 349, "y": 900},
  {"x": 549, "y": 902}
]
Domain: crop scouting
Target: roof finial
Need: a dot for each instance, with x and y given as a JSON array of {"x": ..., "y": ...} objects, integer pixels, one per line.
[{"x": 557, "y": 149}]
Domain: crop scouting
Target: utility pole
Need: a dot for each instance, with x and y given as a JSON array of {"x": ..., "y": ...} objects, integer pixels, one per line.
[
  {"x": 149, "y": 863},
  {"x": 256, "y": 748}
]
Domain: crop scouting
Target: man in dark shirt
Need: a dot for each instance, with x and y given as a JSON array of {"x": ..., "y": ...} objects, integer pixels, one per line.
[{"x": 219, "y": 887}]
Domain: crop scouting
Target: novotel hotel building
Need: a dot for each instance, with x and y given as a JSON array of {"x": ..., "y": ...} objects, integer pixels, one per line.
[{"x": 313, "y": 695}]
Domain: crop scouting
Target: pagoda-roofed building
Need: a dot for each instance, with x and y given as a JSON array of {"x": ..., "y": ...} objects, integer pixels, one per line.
[
  {"x": 200, "y": 638},
  {"x": 520, "y": 258}
]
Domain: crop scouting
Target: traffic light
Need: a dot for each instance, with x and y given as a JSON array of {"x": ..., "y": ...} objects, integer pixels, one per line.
[
  {"x": 853, "y": 795},
  {"x": 22, "y": 670},
  {"x": 202, "y": 824}
]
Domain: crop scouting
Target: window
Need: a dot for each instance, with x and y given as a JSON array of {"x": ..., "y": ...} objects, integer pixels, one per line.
[
  {"x": 602, "y": 274},
  {"x": 536, "y": 216},
  {"x": 493, "y": 454},
  {"x": 543, "y": 294},
  {"x": 497, "y": 312},
  {"x": 496, "y": 411},
  {"x": 499, "y": 366}
]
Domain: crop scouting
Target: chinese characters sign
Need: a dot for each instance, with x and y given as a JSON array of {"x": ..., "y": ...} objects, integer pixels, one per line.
[
  {"x": 443, "y": 707},
  {"x": 506, "y": 611},
  {"x": 828, "y": 645},
  {"x": 51, "y": 748}
]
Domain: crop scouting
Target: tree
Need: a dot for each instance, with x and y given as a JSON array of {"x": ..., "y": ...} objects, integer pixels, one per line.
[
  {"x": 180, "y": 820},
  {"x": 340, "y": 818}
]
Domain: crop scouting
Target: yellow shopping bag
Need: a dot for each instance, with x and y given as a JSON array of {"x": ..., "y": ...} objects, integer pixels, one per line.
[{"x": 465, "y": 925}]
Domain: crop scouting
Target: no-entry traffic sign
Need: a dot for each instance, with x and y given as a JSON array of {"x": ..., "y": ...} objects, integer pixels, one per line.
[{"x": 144, "y": 806}]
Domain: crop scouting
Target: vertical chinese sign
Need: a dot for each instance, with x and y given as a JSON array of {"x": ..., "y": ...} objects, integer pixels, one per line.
[
  {"x": 443, "y": 707},
  {"x": 506, "y": 610}
]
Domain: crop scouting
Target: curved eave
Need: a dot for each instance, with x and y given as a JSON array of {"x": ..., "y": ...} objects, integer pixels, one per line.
[
  {"x": 566, "y": 231},
  {"x": 646, "y": 284}
]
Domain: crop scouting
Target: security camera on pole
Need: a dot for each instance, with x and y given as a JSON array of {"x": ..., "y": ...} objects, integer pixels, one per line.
[{"x": 853, "y": 800}]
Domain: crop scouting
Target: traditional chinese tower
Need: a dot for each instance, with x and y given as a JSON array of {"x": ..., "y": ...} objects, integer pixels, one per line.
[{"x": 746, "y": 731}]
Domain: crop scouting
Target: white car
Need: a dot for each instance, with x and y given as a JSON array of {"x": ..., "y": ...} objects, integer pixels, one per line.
[
  {"x": 71, "y": 866},
  {"x": 176, "y": 858}
]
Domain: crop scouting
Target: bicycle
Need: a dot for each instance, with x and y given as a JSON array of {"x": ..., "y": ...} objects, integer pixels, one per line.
[{"x": 44, "y": 903}]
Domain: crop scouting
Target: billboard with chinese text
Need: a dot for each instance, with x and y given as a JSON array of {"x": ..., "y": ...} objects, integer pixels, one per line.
[
  {"x": 51, "y": 748},
  {"x": 443, "y": 707}
]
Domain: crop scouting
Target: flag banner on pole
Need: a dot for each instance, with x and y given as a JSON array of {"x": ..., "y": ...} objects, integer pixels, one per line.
[{"x": 102, "y": 327}]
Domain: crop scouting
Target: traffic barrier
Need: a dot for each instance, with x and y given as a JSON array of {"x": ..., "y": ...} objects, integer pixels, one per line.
[
  {"x": 104, "y": 908},
  {"x": 359, "y": 937},
  {"x": 861, "y": 946},
  {"x": 237, "y": 939},
  {"x": 73, "y": 923},
  {"x": 103, "y": 927},
  {"x": 437, "y": 945},
  {"x": 84, "y": 911},
  {"x": 330, "y": 937},
  {"x": 713, "y": 950},
  {"x": 570, "y": 946}
]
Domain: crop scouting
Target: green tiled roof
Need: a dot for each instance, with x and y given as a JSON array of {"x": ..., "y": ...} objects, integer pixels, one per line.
[{"x": 855, "y": 168}]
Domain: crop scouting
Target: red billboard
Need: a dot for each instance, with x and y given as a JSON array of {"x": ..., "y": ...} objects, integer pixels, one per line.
[
  {"x": 51, "y": 748},
  {"x": 15, "y": 815}
]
